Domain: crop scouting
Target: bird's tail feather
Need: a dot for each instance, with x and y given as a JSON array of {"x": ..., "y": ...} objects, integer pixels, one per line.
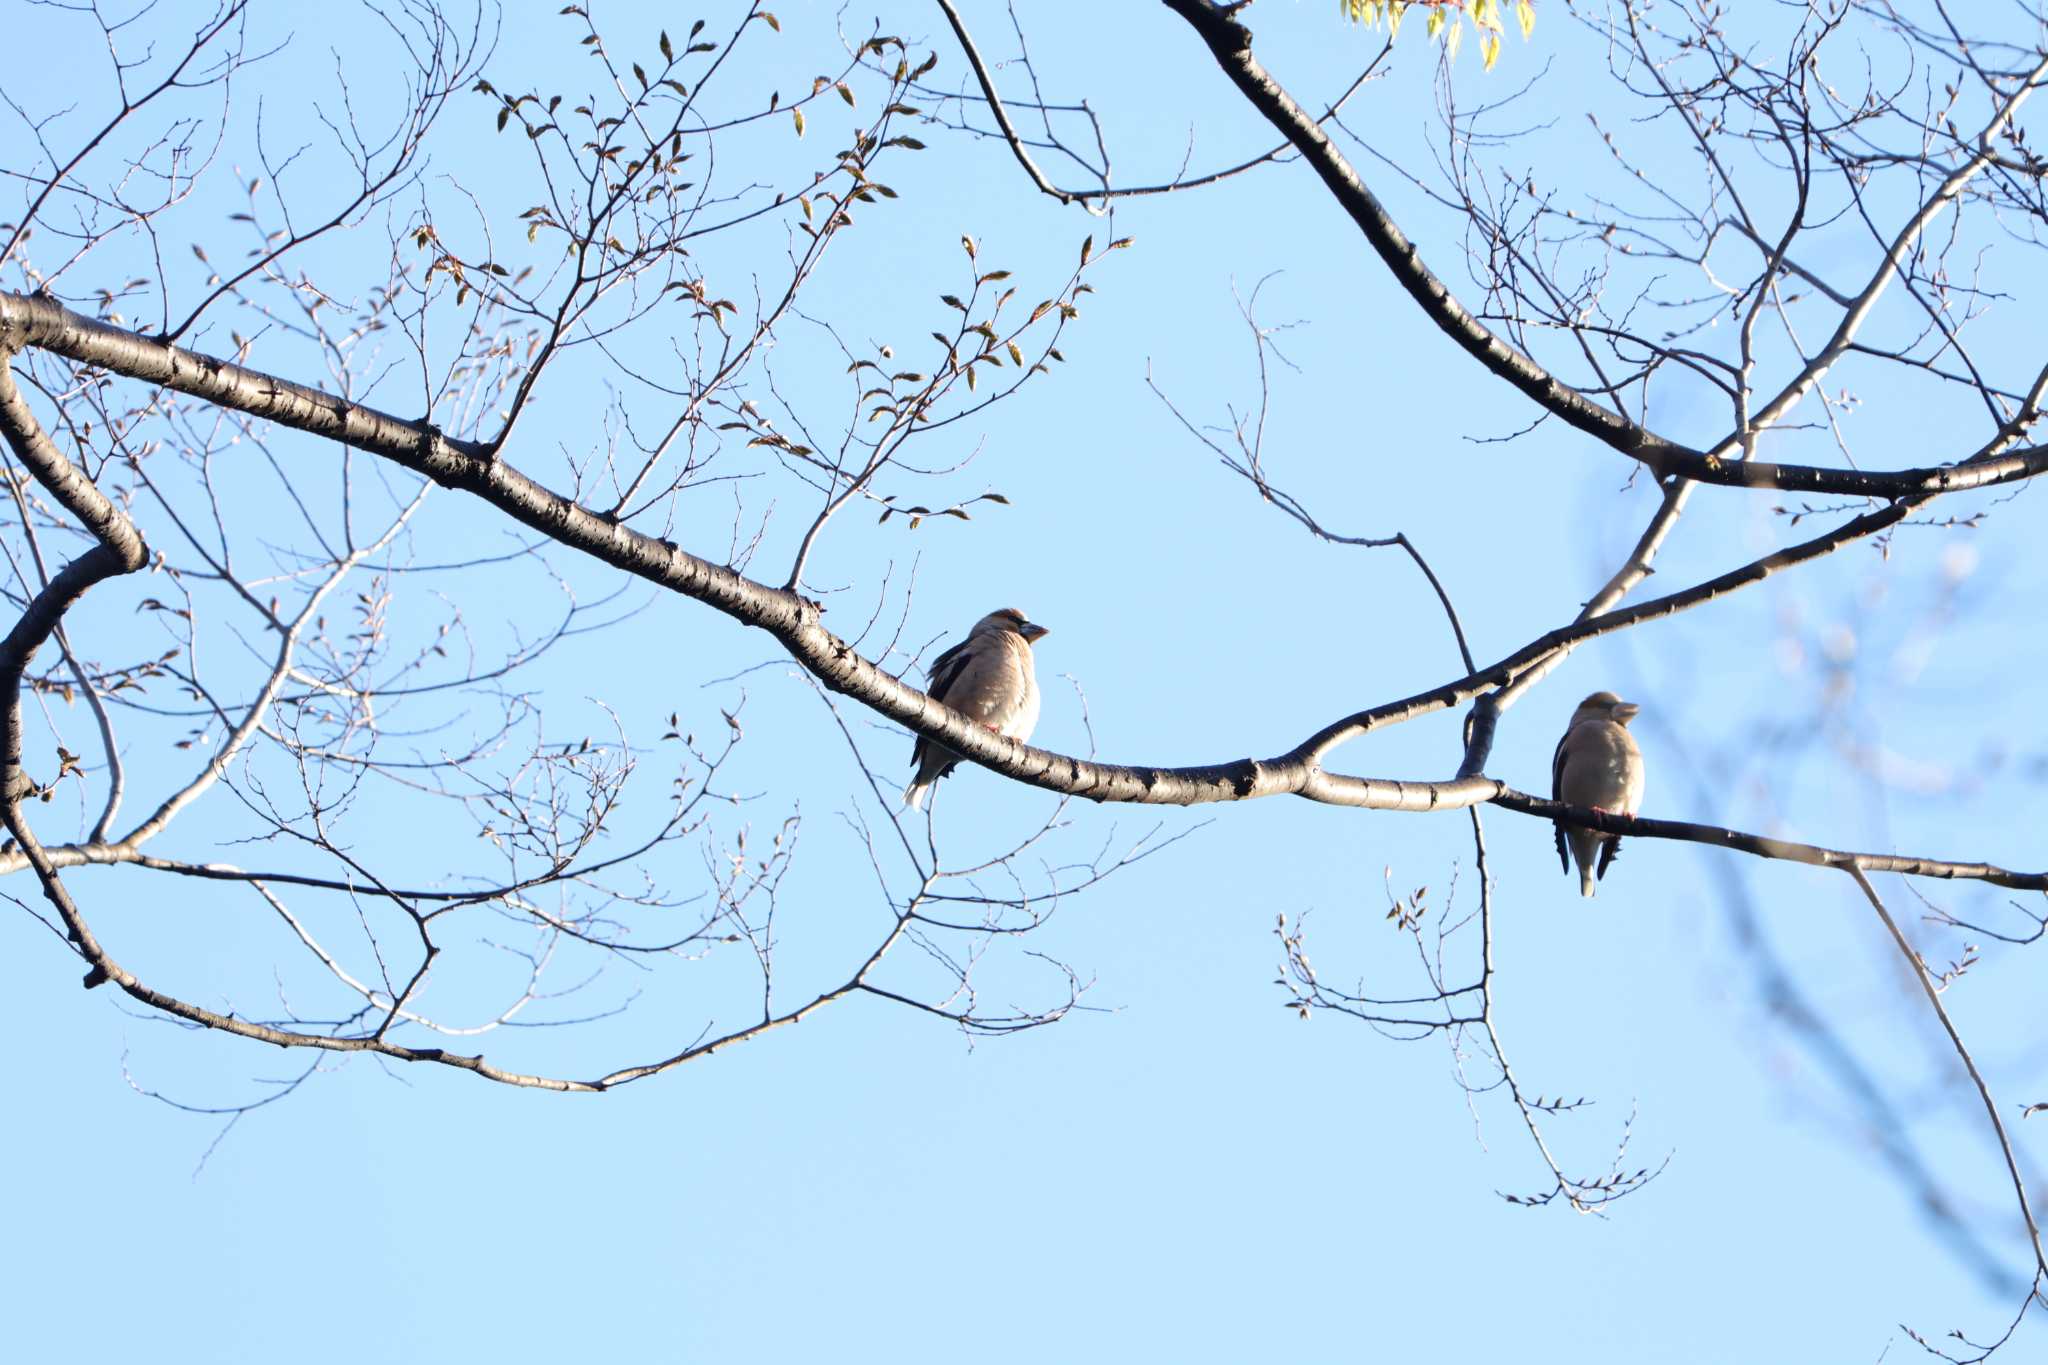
[
  {"x": 913, "y": 795},
  {"x": 1585, "y": 846}
]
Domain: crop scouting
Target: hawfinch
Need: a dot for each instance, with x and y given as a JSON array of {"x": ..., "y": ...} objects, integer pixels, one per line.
[
  {"x": 1598, "y": 765},
  {"x": 988, "y": 677}
]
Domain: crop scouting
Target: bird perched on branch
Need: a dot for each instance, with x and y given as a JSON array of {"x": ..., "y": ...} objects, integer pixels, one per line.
[
  {"x": 1598, "y": 765},
  {"x": 989, "y": 678}
]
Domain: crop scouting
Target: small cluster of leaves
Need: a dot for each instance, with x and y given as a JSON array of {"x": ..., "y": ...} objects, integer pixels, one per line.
[
  {"x": 1956, "y": 968},
  {"x": 424, "y": 237},
  {"x": 707, "y": 307},
  {"x": 854, "y": 161},
  {"x": 768, "y": 436},
  {"x": 1294, "y": 963},
  {"x": 68, "y": 765},
  {"x": 133, "y": 677},
  {"x": 1603, "y": 1189},
  {"x": 1406, "y": 915},
  {"x": 990, "y": 347},
  {"x": 917, "y": 514},
  {"x": 904, "y": 399},
  {"x": 664, "y": 162},
  {"x": 1483, "y": 15},
  {"x": 904, "y": 75}
]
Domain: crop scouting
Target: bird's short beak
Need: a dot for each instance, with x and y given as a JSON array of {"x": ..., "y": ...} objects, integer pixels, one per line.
[
  {"x": 1625, "y": 711},
  {"x": 1032, "y": 632}
]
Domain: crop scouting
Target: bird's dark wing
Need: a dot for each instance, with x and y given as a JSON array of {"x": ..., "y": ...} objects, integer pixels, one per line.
[
  {"x": 945, "y": 671},
  {"x": 1557, "y": 794},
  {"x": 1607, "y": 852}
]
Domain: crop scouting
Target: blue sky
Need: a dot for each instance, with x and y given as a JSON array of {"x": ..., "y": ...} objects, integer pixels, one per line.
[{"x": 1192, "y": 1172}]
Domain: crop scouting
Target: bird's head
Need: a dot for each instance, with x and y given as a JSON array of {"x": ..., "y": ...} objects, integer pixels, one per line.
[
  {"x": 1010, "y": 619},
  {"x": 1606, "y": 706}
]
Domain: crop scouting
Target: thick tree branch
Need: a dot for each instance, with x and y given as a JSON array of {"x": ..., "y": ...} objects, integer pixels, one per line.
[
  {"x": 1231, "y": 44},
  {"x": 795, "y": 622},
  {"x": 1764, "y": 846},
  {"x": 791, "y": 619}
]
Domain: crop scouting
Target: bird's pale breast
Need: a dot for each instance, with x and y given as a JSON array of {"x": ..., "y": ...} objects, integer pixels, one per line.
[{"x": 1603, "y": 768}]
